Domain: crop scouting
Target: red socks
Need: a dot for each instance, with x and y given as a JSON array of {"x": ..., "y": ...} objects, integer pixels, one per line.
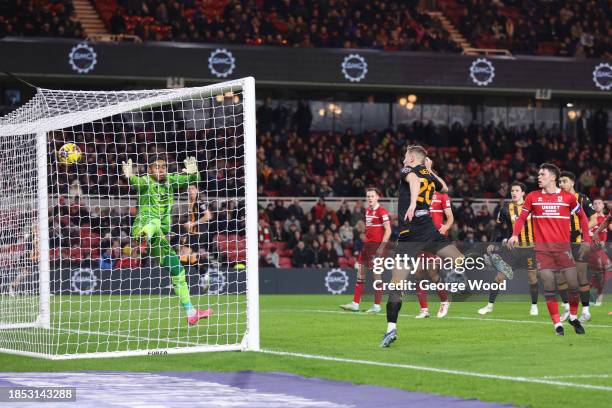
[
  {"x": 358, "y": 290},
  {"x": 553, "y": 309},
  {"x": 378, "y": 296},
  {"x": 422, "y": 296}
]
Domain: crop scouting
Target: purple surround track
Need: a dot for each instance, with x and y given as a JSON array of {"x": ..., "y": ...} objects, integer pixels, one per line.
[{"x": 228, "y": 389}]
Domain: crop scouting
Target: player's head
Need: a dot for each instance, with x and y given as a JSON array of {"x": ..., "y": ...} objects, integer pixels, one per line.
[
  {"x": 599, "y": 205},
  {"x": 548, "y": 175},
  {"x": 372, "y": 196},
  {"x": 193, "y": 191},
  {"x": 517, "y": 191},
  {"x": 567, "y": 180},
  {"x": 157, "y": 167},
  {"x": 415, "y": 155}
]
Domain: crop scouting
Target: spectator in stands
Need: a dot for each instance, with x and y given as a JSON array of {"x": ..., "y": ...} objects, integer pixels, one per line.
[
  {"x": 328, "y": 257},
  {"x": 302, "y": 256},
  {"x": 272, "y": 258}
]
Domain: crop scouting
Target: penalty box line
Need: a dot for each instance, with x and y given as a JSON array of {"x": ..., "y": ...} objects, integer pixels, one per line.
[
  {"x": 530, "y": 380},
  {"x": 482, "y": 319}
]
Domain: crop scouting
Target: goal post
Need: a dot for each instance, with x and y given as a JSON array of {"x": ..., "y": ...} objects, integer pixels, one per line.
[{"x": 105, "y": 259}]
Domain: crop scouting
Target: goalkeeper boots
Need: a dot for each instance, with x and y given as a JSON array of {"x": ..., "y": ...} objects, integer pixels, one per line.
[
  {"x": 199, "y": 314},
  {"x": 577, "y": 326},
  {"x": 388, "y": 338},
  {"x": 350, "y": 307},
  {"x": 375, "y": 309}
]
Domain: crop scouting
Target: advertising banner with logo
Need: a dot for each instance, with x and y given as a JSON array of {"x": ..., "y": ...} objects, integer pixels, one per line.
[
  {"x": 278, "y": 66},
  {"x": 91, "y": 281}
]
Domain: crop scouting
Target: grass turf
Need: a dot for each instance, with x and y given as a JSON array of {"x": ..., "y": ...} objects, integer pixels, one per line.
[{"x": 525, "y": 347}]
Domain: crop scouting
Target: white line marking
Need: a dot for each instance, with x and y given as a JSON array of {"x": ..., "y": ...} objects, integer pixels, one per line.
[
  {"x": 412, "y": 316},
  {"x": 129, "y": 336},
  {"x": 580, "y": 376},
  {"x": 440, "y": 370}
]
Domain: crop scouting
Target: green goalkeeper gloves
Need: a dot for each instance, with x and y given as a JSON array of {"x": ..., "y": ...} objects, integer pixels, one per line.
[{"x": 191, "y": 165}]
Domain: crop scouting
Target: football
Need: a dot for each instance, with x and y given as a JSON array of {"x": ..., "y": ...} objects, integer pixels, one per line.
[{"x": 69, "y": 154}]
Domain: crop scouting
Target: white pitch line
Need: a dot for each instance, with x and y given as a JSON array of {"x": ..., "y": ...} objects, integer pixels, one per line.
[
  {"x": 129, "y": 336},
  {"x": 491, "y": 319},
  {"x": 578, "y": 376},
  {"x": 440, "y": 370}
]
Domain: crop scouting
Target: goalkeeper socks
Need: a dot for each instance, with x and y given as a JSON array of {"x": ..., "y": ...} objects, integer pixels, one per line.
[
  {"x": 533, "y": 290},
  {"x": 181, "y": 289},
  {"x": 189, "y": 309}
]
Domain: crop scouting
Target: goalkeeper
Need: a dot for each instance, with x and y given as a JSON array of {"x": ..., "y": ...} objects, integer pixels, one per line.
[{"x": 155, "y": 200}]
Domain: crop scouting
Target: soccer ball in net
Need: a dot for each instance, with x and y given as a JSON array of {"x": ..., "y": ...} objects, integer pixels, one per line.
[{"x": 69, "y": 154}]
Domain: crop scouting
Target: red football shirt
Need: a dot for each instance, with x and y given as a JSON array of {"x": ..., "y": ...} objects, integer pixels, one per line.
[
  {"x": 439, "y": 202},
  {"x": 375, "y": 218},
  {"x": 603, "y": 235},
  {"x": 550, "y": 214}
]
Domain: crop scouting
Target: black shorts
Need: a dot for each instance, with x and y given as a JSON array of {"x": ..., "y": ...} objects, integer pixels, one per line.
[
  {"x": 522, "y": 259},
  {"x": 420, "y": 235},
  {"x": 576, "y": 253}
]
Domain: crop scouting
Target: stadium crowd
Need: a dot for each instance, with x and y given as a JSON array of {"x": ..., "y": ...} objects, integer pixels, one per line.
[
  {"x": 477, "y": 161},
  {"x": 560, "y": 27},
  {"x": 51, "y": 18},
  {"x": 389, "y": 25}
]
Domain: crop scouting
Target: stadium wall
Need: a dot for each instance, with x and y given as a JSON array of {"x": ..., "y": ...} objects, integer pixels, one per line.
[
  {"x": 86, "y": 280},
  {"x": 177, "y": 63}
]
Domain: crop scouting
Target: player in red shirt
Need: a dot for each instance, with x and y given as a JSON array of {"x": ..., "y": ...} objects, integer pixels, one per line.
[
  {"x": 551, "y": 209},
  {"x": 378, "y": 231},
  {"x": 439, "y": 209},
  {"x": 599, "y": 262}
]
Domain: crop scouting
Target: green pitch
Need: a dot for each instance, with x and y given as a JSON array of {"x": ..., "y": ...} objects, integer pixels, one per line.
[{"x": 507, "y": 357}]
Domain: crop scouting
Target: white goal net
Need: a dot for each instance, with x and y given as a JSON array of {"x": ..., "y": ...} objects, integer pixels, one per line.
[{"x": 143, "y": 238}]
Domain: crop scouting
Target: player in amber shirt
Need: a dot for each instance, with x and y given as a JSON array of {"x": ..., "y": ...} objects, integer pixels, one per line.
[
  {"x": 551, "y": 209},
  {"x": 378, "y": 231}
]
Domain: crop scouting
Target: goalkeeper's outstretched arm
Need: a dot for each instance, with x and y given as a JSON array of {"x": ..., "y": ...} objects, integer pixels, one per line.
[{"x": 189, "y": 174}]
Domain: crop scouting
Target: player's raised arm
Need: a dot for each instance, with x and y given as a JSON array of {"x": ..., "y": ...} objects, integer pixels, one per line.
[
  {"x": 129, "y": 173},
  {"x": 441, "y": 186},
  {"x": 189, "y": 174}
]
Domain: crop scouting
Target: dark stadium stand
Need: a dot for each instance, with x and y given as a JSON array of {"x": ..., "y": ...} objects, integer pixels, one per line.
[
  {"x": 40, "y": 18},
  {"x": 561, "y": 27}
]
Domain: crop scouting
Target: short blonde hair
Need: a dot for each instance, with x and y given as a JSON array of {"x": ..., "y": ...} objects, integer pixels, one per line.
[{"x": 418, "y": 151}]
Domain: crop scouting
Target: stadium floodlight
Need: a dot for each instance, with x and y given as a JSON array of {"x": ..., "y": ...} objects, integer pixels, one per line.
[{"x": 61, "y": 217}]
